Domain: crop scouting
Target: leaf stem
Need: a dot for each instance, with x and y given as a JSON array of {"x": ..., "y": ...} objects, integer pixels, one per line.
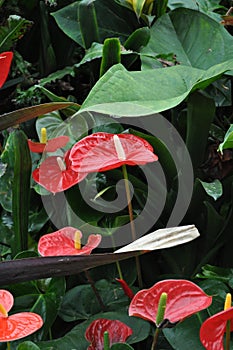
[{"x": 131, "y": 218}]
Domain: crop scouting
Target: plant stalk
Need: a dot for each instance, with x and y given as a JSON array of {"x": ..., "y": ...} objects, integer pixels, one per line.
[
  {"x": 228, "y": 335},
  {"x": 132, "y": 226},
  {"x": 156, "y": 336},
  {"x": 98, "y": 297}
]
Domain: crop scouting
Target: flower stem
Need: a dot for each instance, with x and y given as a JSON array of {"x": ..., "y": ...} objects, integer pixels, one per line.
[
  {"x": 117, "y": 262},
  {"x": 98, "y": 297},
  {"x": 8, "y": 346},
  {"x": 133, "y": 230},
  {"x": 228, "y": 335},
  {"x": 153, "y": 346}
]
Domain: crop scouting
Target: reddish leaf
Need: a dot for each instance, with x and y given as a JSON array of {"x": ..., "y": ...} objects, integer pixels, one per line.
[
  {"x": 19, "y": 325},
  {"x": 53, "y": 178},
  {"x": 118, "y": 332},
  {"x": 50, "y": 146},
  {"x": 184, "y": 298},
  {"x": 6, "y": 300},
  {"x": 213, "y": 329},
  {"x": 61, "y": 242},
  {"x": 5, "y": 63},
  {"x": 97, "y": 152}
]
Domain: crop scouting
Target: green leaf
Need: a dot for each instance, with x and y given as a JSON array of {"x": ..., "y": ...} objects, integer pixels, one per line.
[
  {"x": 76, "y": 127},
  {"x": 80, "y": 302},
  {"x": 15, "y": 29},
  {"x": 28, "y": 113},
  {"x": 27, "y": 345},
  {"x": 116, "y": 22},
  {"x": 205, "y": 6},
  {"x": 213, "y": 189},
  {"x": 205, "y": 43},
  {"x": 75, "y": 338},
  {"x": 121, "y": 346},
  {"x": 228, "y": 140},
  {"x": 149, "y": 91},
  {"x": 45, "y": 301},
  {"x": 200, "y": 114}
]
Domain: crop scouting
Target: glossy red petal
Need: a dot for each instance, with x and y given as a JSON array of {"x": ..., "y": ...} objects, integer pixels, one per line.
[
  {"x": 97, "y": 152},
  {"x": 6, "y": 299},
  {"x": 118, "y": 332},
  {"x": 184, "y": 299},
  {"x": 213, "y": 329},
  {"x": 51, "y": 145},
  {"x": 5, "y": 64},
  {"x": 19, "y": 325},
  {"x": 61, "y": 243},
  {"x": 52, "y": 178},
  {"x": 92, "y": 243}
]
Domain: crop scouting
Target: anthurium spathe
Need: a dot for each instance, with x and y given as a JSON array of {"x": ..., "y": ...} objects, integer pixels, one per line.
[
  {"x": 5, "y": 63},
  {"x": 18, "y": 325},
  {"x": 184, "y": 298},
  {"x": 103, "y": 151},
  {"x": 67, "y": 241},
  {"x": 49, "y": 146},
  {"x": 213, "y": 329},
  {"x": 56, "y": 175},
  {"x": 117, "y": 330}
]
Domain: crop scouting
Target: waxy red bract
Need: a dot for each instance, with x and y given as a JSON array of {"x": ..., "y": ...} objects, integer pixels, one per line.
[
  {"x": 97, "y": 152},
  {"x": 53, "y": 178},
  {"x": 213, "y": 329},
  {"x": 5, "y": 64},
  {"x": 184, "y": 298},
  {"x": 61, "y": 243},
  {"x": 118, "y": 333},
  {"x": 19, "y": 325},
  {"x": 50, "y": 146}
]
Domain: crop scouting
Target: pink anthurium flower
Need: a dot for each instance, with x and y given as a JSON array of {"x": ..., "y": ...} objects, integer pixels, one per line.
[
  {"x": 213, "y": 329},
  {"x": 16, "y": 326},
  {"x": 67, "y": 241},
  {"x": 56, "y": 175},
  {"x": 48, "y": 146},
  {"x": 184, "y": 298},
  {"x": 118, "y": 333},
  {"x": 5, "y": 63},
  {"x": 102, "y": 151}
]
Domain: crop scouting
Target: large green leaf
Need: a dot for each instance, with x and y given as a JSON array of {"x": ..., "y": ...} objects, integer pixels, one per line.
[
  {"x": 75, "y": 338},
  {"x": 28, "y": 113},
  {"x": 205, "y": 6},
  {"x": 228, "y": 140},
  {"x": 196, "y": 39},
  {"x": 123, "y": 93},
  {"x": 116, "y": 21}
]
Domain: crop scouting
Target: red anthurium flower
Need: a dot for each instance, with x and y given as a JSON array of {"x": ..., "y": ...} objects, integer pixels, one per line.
[
  {"x": 66, "y": 241},
  {"x": 118, "y": 333},
  {"x": 184, "y": 298},
  {"x": 49, "y": 146},
  {"x": 213, "y": 329},
  {"x": 5, "y": 63},
  {"x": 127, "y": 290},
  {"x": 102, "y": 151},
  {"x": 16, "y": 326},
  {"x": 56, "y": 175}
]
